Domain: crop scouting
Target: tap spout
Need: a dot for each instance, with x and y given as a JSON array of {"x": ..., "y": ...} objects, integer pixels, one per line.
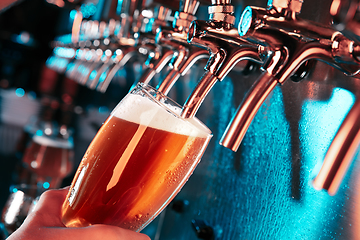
[
  {"x": 182, "y": 63},
  {"x": 123, "y": 58},
  {"x": 226, "y": 48},
  {"x": 198, "y": 95},
  {"x": 322, "y": 43},
  {"x": 241, "y": 121},
  {"x": 340, "y": 153},
  {"x": 156, "y": 61}
]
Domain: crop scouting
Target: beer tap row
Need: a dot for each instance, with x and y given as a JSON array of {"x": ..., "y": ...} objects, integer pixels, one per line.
[{"x": 274, "y": 37}]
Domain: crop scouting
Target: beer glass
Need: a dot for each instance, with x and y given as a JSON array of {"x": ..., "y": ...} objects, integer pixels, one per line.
[
  {"x": 49, "y": 158},
  {"x": 136, "y": 164}
]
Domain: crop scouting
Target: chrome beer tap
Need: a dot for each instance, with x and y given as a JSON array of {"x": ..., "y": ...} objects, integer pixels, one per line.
[
  {"x": 340, "y": 153},
  {"x": 299, "y": 40},
  {"x": 144, "y": 40},
  {"x": 176, "y": 49},
  {"x": 225, "y": 47},
  {"x": 346, "y": 141},
  {"x": 123, "y": 48},
  {"x": 175, "y": 37}
]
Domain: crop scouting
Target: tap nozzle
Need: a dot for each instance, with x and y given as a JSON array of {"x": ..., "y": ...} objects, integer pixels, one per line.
[
  {"x": 346, "y": 141},
  {"x": 226, "y": 48},
  {"x": 340, "y": 153},
  {"x": 172, "y": 45},
  {"x": 253, "y": 100},
  {"x": 284, "y": 36}
]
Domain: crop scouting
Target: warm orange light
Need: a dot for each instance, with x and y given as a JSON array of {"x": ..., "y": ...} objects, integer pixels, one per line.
[
  {"x": 334, "y": 7},
  {"x": 76, "y": 27}
]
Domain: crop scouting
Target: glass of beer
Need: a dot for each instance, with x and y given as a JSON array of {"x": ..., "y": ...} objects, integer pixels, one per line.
[
  {"x": 49, "y": 158},
  {"x": 139, "y": 160}
]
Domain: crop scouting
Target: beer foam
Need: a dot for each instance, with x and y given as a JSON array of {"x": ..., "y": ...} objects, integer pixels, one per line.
[
  {"x": 141, "y": 110},
  {"x": 56, "y": 143}
]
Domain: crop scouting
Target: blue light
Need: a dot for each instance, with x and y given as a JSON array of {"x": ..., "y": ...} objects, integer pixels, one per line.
[
  {"x": 72, "y": 14},
  {"x": 103, "y": 109},
  {"x": 14, "y": 190},
  {"x": 50, "y": 61},
  {"x": 46, "y": 185},
  {"x": 119, "y": 7},
  {"x": 39, "y": 133},
  {"x": 88, "y": 10},
  {"x": 70, "y": 67},
  {"x": 317, "y": 128},
  {"x": 245, "y": 21},
  {"x": 102, "y": 77},
  {"x": 93, "y": 74},
  {"x": 325, "y": 118},
  {"x": 32, "y": 95},
  {"x": 20, "y": 92}
]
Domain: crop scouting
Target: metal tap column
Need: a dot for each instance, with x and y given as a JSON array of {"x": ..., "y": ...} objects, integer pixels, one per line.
[
  {"x": 300, "y": 40},
  {"x": 225, "y": 47},
  {"x": 174, "y": 45}
]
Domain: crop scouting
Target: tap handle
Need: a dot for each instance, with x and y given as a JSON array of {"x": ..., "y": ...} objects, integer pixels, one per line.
[
  {"x": 246, "y": 112},
  {"x": 340, "y": 153}
]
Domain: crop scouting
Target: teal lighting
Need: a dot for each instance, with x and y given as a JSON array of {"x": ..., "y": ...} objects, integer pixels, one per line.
[
  {"x": 46, "y": 185},
  {"x": 88, "y": 10},
  {"x": 39, "y": 132},
  {"x": 20, "y": 92},
  {"x": 93, "y": 74},
  {"x": 317, "y": 128},
  {"x": 102, "y": 77},
  {"x": 103, "y": 109},
  {"x": 72, "y": 14}
]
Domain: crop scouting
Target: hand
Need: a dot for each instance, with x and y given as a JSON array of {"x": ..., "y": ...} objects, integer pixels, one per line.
[{"x": 45, "y": 223}]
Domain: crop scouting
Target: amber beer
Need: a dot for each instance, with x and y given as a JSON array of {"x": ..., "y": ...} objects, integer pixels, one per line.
[{"x": 138, "y": 161}]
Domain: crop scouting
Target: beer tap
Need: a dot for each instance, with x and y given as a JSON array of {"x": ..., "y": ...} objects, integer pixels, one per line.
[
  {"x": 175, "y": 37},
  {"x": 123, "y": 49},
  {"x": 340, "y": 153},
  {"x": 175, "y": 47},
  {"x": 346, "y": 141},
  {"x": 300, "y": 41},
  {"x": 225, "y": 47},
  {"x": 144, "y": 40}
]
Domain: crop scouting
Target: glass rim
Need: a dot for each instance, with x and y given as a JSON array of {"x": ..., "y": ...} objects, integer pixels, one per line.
[
  {"x": 146, "y": 87},
  {"x": 152, "y": 93}
]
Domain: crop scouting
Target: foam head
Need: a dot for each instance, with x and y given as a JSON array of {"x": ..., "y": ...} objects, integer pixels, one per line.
[{"x": 145, "y": 110}]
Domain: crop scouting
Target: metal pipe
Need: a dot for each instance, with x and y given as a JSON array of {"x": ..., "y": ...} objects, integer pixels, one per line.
[
  {"x": 247, "y": 111},
  {"x": 302, "y": 41},
  {"x": 340, "y": 153},
  {"x": 173, "y": 40},
  {"x": 226, "y": 49}
]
